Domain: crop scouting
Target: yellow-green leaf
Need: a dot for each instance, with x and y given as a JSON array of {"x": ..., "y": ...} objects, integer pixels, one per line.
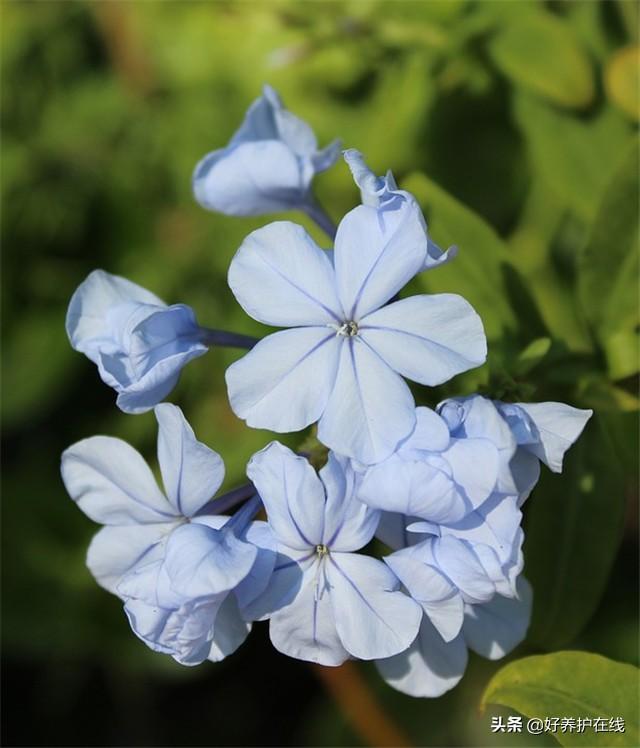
[
  {"x": 574, "y": 685},
  {"x": 540, "y": 52},
  {"x": 622, "y": 80}
]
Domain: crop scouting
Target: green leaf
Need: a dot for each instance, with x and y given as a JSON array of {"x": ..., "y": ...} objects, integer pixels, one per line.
[
  {"x": 571, "y": 684},
  {"x": 622, "y": 80},
  {"x": 575, "y": 157},
  {"x": 608, "y": 271},
  {"x": 573, "y": 530},
  {"x": 540, "y": 52},
  {"x": 477, "y": 273}
]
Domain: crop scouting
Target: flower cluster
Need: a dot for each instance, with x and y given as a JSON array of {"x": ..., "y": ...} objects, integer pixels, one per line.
[{"x": 437, "y": 493}]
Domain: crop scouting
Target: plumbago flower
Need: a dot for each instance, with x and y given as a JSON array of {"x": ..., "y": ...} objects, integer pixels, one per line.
[
  {"x": 138, "y": 342},
  {"x": 442, "y": 489},
  {"x": 185, "y": 576},
  {"x": 342, "y": 361},
  {"x": 268, "y": 165},
  {"x": 465, "y": 571},
  {"x": 383, "y": 194},
  {"x": 325, "y": 601}
]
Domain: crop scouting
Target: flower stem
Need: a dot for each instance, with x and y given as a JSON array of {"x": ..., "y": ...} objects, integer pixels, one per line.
[
  {"x": 227, "y": 339},
  {"x": 318, "y": 214},
  {"x": 222, "y": 504},
  {"x": 358, "y": 704}
]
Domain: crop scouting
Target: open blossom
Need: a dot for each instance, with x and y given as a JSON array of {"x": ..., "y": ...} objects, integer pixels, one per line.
[
  {"x": 342, "y": 361},
  {"x": 138, "y": 343},
  {"x": 268, "y": 165},
  {"x": 325, "y": 601},
  {"x": 383, "y": 194},
  {"x": 174, "y": 567}
]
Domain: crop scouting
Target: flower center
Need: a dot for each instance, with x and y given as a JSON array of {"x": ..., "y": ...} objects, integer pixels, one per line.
[
  {"x": 322, "y": 550},
  {"x": 348, "y": 329}
]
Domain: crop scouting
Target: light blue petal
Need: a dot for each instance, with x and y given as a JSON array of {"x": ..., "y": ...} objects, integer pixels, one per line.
[
  {"x": 376, "y": 254},
  {"x": 495, "y": 628},
  {"x": 429, "y": 668},
  {"x": 283, "y": 383},
  {"x": 422, "y": 489},
  {"x": 370, "y": 408},
  {"x": 281, "y": 277},
  {"x": 437, "y": 256},
  {"x": 327, "y": 156},
  {"x": 229, "y": 631},
  {"x": 87, "y": 320},
  {"x": 147, "y": 623},
  {"x": 250, "y": 179},
  {"x": 525, "y": 468},
  {"x": 306, "y": 627},
  {"x": 392, "y": 530},
  {"x": 201, "y": 562},
  {"x": 457, "y": 560},
  {"x": 116, "y": 549},
  {"x": 259, "y": 121},
  {"x": 475, "y": 465},
  {"x": 494, "y": 524},
  {"x": 428, "y": 339},
  {"x": 283, "y": 586},
  {"x": 191, "y": 472},
  {"x": 430, "y": 434},
  {"x": 112, "y": 484},
  {"x": 373, "y": 618},
  {"x": 254, "y": 584},
  {"x": 148, "y": 581},
  {"x": 139, "y": 397},
  {"x": 437, "y": 596},
  {"x": 558, "y": 426},
  {"x": 348, "y": 523},
  {"x": 292, "y": 494}
]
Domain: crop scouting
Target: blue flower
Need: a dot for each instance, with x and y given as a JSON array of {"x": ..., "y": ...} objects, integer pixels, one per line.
[
  {"x": 138, "y": 342},
  {"x": 383, "y": 194},
  {"x": 433, "y": 475},
  {"x": 325, "y": 602},
  {"x": 524, "y": 433},
  {"x": 343, "y": 361},
  {"x": 431, "y": 666},
  {"x": 173, "y": 566},
  {"x": 268, "y": 165}
]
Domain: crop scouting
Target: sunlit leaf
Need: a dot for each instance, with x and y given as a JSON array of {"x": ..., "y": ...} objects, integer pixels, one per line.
[
  {"x": 540, "y": 52},
  {"x": 572, "y": 685},
  {"x": 622, "y": 80}
]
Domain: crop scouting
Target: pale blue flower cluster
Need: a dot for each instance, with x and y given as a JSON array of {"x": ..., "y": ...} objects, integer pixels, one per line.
[{"x": 437, "y": 492}]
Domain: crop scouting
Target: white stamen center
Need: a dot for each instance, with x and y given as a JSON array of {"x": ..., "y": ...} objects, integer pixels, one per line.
[{"x": 348, "y": 329}]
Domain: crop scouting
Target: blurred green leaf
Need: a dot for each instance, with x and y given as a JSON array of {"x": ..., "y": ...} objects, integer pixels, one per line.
[
  {"x": 608, "y": 271},
  {"x": 573, "y": 530},
  {"x": 532, "y": 355},
  {"x": 562, "y": 148},
  {"x": 477, "y": 271},
  {"x": 572, "y": 684},
  {"x": 540, "y": 52},
  {"x": 622, "y": 80}
]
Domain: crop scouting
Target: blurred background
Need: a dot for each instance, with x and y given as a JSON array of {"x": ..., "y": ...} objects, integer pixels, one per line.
[{"x": 513, "y": 123}]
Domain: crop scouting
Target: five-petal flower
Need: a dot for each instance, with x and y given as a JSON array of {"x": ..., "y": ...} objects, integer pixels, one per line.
[
  {"x": 325, "y": 601},
  {"x": 342, "y": 361},
  {"x": 172, "y": 566}
]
